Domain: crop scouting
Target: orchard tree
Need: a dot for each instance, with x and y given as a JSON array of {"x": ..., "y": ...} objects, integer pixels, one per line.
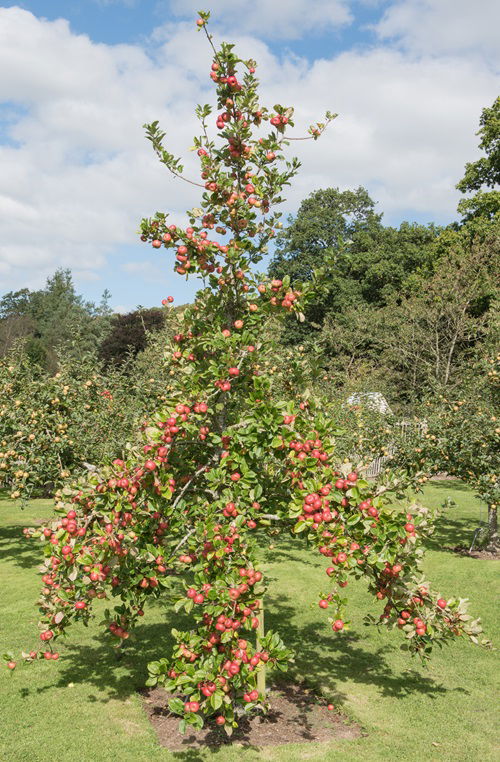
[
  {"x": 223, "y": 460},
  {"x": 50, "y": 425},
  {"x": 462, "y": 438},
  {"x": 53, "y": 426}
]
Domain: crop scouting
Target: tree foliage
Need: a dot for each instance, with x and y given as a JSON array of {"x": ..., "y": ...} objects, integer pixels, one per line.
[
  {"x": 484, "y": 172},
  {"x": 128, "y": 334},
  {"x": 51, "y": 316},
  {"x": 367, "y": 264}
]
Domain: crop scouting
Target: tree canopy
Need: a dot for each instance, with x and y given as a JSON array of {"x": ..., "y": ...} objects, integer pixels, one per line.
[{"x": 484, "y": 172}]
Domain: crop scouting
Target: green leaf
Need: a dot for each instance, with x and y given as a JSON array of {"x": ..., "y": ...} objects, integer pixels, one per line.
[
  {"x": 176, "y": 705},
  {"x": 300, "y": 526},
  {"x": 216, "y": 699}
]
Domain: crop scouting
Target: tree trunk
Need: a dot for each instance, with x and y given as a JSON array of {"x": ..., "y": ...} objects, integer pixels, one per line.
[
  {"x": 261, "y": 673},
  {"x": 492, "y": 528}
]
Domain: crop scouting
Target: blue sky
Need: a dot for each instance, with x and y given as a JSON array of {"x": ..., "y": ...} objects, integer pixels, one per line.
[
  {"x": 114, "y": 21},
  {"x": 79, "y": 78}
]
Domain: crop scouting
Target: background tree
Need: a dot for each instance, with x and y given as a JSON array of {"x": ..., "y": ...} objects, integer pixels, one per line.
[
  {"x": 326, "y": 220},
  {"x": 368, "y": 263},
  {"x": 51, "y": 316},
  {"x": 485, "y": 172},
  {"x": 427, "y": 338},
  {"x": 128, "y": 334}
]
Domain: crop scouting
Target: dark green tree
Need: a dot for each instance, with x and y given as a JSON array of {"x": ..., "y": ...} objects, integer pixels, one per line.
[
  {"x": 129, "y": 335},
  {"x": 485, "y": 172},
  {"x": 367, "y": 262}
]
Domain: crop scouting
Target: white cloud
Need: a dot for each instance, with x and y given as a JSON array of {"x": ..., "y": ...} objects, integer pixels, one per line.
[
  {"x": 122, "y": 309},
  {"x": 270, "y": 19},
  {"x": 436, "y": 27},
  {"x": 77, "y": 174}
]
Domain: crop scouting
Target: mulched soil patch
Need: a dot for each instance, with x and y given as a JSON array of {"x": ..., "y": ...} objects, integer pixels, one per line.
[
  {"x": 296, "y": 716},
  {"x": 485, "y": 554}
]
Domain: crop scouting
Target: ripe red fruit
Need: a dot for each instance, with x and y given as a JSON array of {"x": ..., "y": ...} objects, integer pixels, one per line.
[
  {"x": 410, "y": 528},
  {"x": 330, "y": 707},
  {"x": 11, "y": 664},
  {"x": 338, "y": 625},
  {"x": 323, "y": 604},
  {"x": 235, "y": 477},
  {"x": 442, "y": 603},
  {"x": 234, "y": 372},
  {"x": 150, "y": 465},
  {"x": 80, "y": 605},
  {"x": 220, "y": 720}
]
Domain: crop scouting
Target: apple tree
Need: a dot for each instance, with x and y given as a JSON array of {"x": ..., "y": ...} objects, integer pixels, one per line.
[
  {"x": 462, "y": 438},
  {"x": 223, "y": 460}
]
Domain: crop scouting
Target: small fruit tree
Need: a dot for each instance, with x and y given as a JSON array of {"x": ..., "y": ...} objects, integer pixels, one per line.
[
  {"x": 462, "y": 438},
  {"x": 180, "y": 515},
  {"x": 51, "y": 424},
  {"x": 54, "y": 425}
]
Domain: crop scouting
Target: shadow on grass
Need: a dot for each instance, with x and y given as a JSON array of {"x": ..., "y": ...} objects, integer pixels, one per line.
[
  {"x": 116, "y": 673},
  {"x": 322, "y": 660},
  {"x": 449, "y": 484},
  {"x": 16, "y": 548},
  {"x": 449, "y": 533},
  {"x": 325, "y": 660}
]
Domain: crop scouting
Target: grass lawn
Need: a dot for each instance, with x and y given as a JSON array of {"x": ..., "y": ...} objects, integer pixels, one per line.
[{"x": 85, "y": 707}]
